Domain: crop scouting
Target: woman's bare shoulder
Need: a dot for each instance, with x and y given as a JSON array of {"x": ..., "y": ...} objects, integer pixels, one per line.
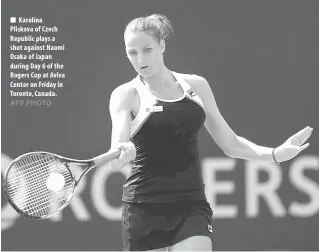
[
  {"x": 124, "y": 94},
  {"x": 196, "y": 82}
]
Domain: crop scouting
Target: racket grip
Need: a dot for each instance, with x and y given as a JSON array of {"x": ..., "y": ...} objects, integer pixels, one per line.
[{"x": 106, "y": 157}]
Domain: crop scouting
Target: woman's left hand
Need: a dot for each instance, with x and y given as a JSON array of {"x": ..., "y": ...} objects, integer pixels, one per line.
[{"x": 293, "y": 145}]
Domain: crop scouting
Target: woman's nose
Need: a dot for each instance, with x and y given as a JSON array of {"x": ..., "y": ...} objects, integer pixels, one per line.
[{"x": 140, "y": 58}]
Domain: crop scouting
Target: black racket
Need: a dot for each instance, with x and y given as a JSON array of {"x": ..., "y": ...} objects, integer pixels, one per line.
[{"x": 41, "y": 184}]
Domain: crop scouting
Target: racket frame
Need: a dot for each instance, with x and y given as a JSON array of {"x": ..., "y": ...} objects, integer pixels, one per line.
[
  {"x": 66, "y": 162},
  {"x": 90, "y": 163}
]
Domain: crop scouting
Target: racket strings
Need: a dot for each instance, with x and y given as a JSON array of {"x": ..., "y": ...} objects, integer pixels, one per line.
[
  {"x": 13, "y": 177},
  {"x": 26, "y": 185},
  {"x": 42, "y": 202},
  {"x": 37, "y": 191},
  {"x": 34, "y": 181},
  {"x": 35, "y": 186},
  {"x": 49, "y": 208},
  {"x": 34, "y": 164}
]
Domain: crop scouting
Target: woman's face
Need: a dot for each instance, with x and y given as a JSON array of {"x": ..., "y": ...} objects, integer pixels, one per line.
[{"x": 144, "y": 52}]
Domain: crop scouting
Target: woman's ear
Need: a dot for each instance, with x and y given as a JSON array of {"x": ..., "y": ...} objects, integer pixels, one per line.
[{"x": 162, "y": 44}]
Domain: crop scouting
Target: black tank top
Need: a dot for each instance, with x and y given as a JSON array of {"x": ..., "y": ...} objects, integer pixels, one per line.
[{"x": 167, "y": 166}]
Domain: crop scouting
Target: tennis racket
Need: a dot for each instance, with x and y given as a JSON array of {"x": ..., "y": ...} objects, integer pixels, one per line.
[{"x": 28, "y": 177}]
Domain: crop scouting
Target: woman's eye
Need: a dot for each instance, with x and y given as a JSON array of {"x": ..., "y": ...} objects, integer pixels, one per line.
[
  {"x": 131, "y": 53},
  {"x": 148, "y": 49}
]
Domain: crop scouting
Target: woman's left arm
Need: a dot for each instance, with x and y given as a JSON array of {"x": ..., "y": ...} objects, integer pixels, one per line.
[{"x": 236, "y": 146}]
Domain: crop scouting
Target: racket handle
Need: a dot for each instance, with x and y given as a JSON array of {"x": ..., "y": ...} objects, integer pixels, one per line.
[{"x": 106, "y": 157}]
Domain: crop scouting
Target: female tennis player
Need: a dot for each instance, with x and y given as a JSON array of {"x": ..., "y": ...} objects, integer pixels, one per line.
[{"x": 156, "y": 118}]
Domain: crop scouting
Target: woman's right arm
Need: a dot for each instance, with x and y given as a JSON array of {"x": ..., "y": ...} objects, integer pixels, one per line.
[{"x": 121, "y": 103}]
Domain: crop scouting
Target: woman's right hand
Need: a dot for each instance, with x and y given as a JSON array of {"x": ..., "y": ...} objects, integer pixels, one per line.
[{"x": 128, "y": 153}]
